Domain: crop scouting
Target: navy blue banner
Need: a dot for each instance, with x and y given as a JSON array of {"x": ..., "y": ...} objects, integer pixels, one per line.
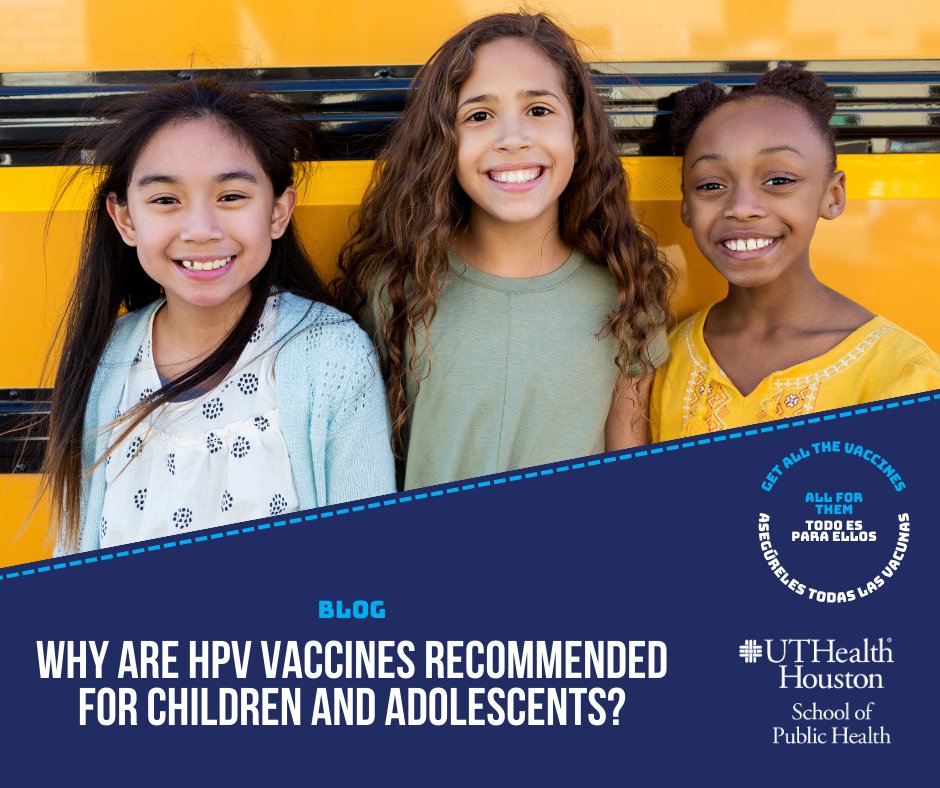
[{"x": 752, "y": 607}]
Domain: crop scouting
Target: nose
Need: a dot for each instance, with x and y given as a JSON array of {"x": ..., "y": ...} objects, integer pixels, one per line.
[
  {"x": 745, "y": 202},
  {"x": 200, "y": 224},
  {"x": 513, "y": 134}
]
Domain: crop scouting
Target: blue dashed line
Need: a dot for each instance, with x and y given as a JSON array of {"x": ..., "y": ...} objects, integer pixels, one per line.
[{"x": 862, "y": 410}]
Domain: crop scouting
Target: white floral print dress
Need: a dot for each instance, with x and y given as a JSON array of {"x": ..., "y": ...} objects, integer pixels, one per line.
[{"x": 215, "y": 459}]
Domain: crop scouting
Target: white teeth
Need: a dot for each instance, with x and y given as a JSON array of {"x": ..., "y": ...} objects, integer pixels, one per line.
[
  {"x": 211, "y": 265},
  {"x": 516, "y": 176},
  {"x": 748, "y": 245}
]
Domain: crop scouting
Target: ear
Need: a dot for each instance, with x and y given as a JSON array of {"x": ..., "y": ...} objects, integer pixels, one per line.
[
  {"x": 684, "y": 213},
  {"x": 122, "y": 219},
  {"x": 833, "y": 203},
  {"x": 283, "y": 209}
]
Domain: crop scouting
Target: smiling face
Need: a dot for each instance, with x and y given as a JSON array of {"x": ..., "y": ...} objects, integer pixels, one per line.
[
  {"x": 202, "y": 213},
  {"x": 515, "y": 136},
  {"x": 756, "y": 178}
]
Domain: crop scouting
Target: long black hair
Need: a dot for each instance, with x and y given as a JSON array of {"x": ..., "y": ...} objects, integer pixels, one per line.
[{"x": 110, "y": 278}]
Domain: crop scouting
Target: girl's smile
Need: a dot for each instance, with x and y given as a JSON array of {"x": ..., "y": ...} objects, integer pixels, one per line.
[
  {"x": 517, "y": 178},
  {"x": 202, "y": 213},
  {"x": 515, "y": 136}
]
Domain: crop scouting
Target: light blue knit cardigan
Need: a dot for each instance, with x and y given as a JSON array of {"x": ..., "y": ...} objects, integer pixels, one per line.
[{"x": 330, "y": 400}]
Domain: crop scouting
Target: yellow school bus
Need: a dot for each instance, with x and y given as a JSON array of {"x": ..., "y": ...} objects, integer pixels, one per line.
[{"x": 347, "y": 67}]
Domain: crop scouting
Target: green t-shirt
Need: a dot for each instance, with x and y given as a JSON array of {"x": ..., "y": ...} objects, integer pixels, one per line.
[{"x": 518, "y": 374}]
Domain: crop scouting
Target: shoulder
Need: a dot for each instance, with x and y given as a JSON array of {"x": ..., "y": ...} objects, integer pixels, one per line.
[
  {"x": 298, "y": 316},
  {"x": 126, "y": 337},
  {"x": 899, "y": 339},
  {"x": 686, "y": 341},
  {"x": 311, "y": 331},
  {"x": 589, "y": 273},
  {"x": 689, "y": 327},
  {"x": 902, "y": 349}
]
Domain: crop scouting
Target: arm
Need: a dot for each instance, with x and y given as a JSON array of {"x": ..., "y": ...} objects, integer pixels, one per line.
[
  {"x": 359, "y": 462},
  {"x": 628, "y": 420}
]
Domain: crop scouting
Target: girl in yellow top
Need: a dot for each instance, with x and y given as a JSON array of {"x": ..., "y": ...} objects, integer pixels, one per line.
[{"x": 758, "y": 171}]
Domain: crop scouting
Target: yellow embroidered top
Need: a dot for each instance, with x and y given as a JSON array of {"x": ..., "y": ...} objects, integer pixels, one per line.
[{"x": 692, "y": 396}]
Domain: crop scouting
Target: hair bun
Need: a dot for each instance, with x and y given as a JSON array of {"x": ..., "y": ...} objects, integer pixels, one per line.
[
  {"x": 691, "y": 105},
  {"x": 808, "y": 86}
]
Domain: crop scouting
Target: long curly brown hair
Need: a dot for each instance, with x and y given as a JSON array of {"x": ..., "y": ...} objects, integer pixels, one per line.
[{"x": 414, "y": 206}]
